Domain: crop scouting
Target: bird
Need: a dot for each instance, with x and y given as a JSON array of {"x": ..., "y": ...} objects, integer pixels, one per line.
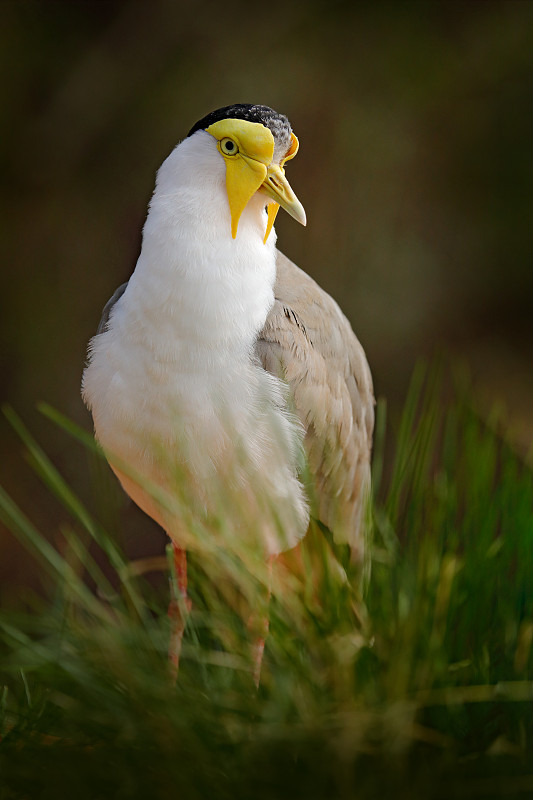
[{"x": 221, "y": 365}]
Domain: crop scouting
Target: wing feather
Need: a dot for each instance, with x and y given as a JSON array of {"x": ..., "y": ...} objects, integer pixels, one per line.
[
  {"x": 308, "y": 341},
  {"x": 106, "y": 312}
]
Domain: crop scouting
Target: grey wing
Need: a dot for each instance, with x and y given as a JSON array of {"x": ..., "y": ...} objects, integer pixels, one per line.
[
  {"x": 309, "y": 342},
  {"x": 102, "y": 325}
]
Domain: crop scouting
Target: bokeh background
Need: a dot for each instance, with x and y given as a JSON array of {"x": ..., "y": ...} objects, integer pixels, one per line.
[{"x": 415, "y": 122}]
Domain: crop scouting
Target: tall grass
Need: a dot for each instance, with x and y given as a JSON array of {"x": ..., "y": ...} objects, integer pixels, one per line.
[{"x": 414, "y": 680}]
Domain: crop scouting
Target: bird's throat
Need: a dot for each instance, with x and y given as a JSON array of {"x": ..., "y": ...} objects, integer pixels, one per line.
[{"x": 201, "y": 302}]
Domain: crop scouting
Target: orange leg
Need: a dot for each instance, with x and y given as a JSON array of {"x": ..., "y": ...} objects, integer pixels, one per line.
[
  {"x": 178, "y": 609},
  {"x": 262, "y": 629}
]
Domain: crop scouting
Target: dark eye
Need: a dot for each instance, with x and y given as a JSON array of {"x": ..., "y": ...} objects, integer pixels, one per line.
[{"x": 228, "y": 147}]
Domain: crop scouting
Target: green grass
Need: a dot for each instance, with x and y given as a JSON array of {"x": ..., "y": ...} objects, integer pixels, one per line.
[{"x": 415, "y": 681}]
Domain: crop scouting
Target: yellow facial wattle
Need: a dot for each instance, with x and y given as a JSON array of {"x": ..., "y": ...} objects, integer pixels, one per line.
[{"x": 248, "y": 150}]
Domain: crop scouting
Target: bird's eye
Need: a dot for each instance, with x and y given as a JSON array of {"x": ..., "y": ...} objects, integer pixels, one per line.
[{"x": 228, "y": 147}]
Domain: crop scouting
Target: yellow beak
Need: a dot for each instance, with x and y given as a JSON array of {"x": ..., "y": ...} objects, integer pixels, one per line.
[{"x": 277, "y": 187}]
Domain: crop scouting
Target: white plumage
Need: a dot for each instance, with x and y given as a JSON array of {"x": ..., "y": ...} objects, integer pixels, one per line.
[{"x": 173, "y": 379}]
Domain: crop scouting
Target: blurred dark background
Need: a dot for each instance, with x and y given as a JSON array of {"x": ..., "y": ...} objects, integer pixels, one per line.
[{"x": 415, "y": 122}]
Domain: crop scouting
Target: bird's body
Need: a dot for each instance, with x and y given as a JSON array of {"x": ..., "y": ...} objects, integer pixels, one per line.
[{"x": 218, "y": 344}]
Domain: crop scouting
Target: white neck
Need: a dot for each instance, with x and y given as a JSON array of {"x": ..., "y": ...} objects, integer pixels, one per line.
[{"x": 196, "y": 293}]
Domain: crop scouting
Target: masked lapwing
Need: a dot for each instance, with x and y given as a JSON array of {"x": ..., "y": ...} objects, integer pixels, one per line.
[{"x": 220, "y": 358}]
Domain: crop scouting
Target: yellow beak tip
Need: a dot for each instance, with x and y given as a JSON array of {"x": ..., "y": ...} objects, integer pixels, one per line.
[{"x": 298, "y": 213}]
